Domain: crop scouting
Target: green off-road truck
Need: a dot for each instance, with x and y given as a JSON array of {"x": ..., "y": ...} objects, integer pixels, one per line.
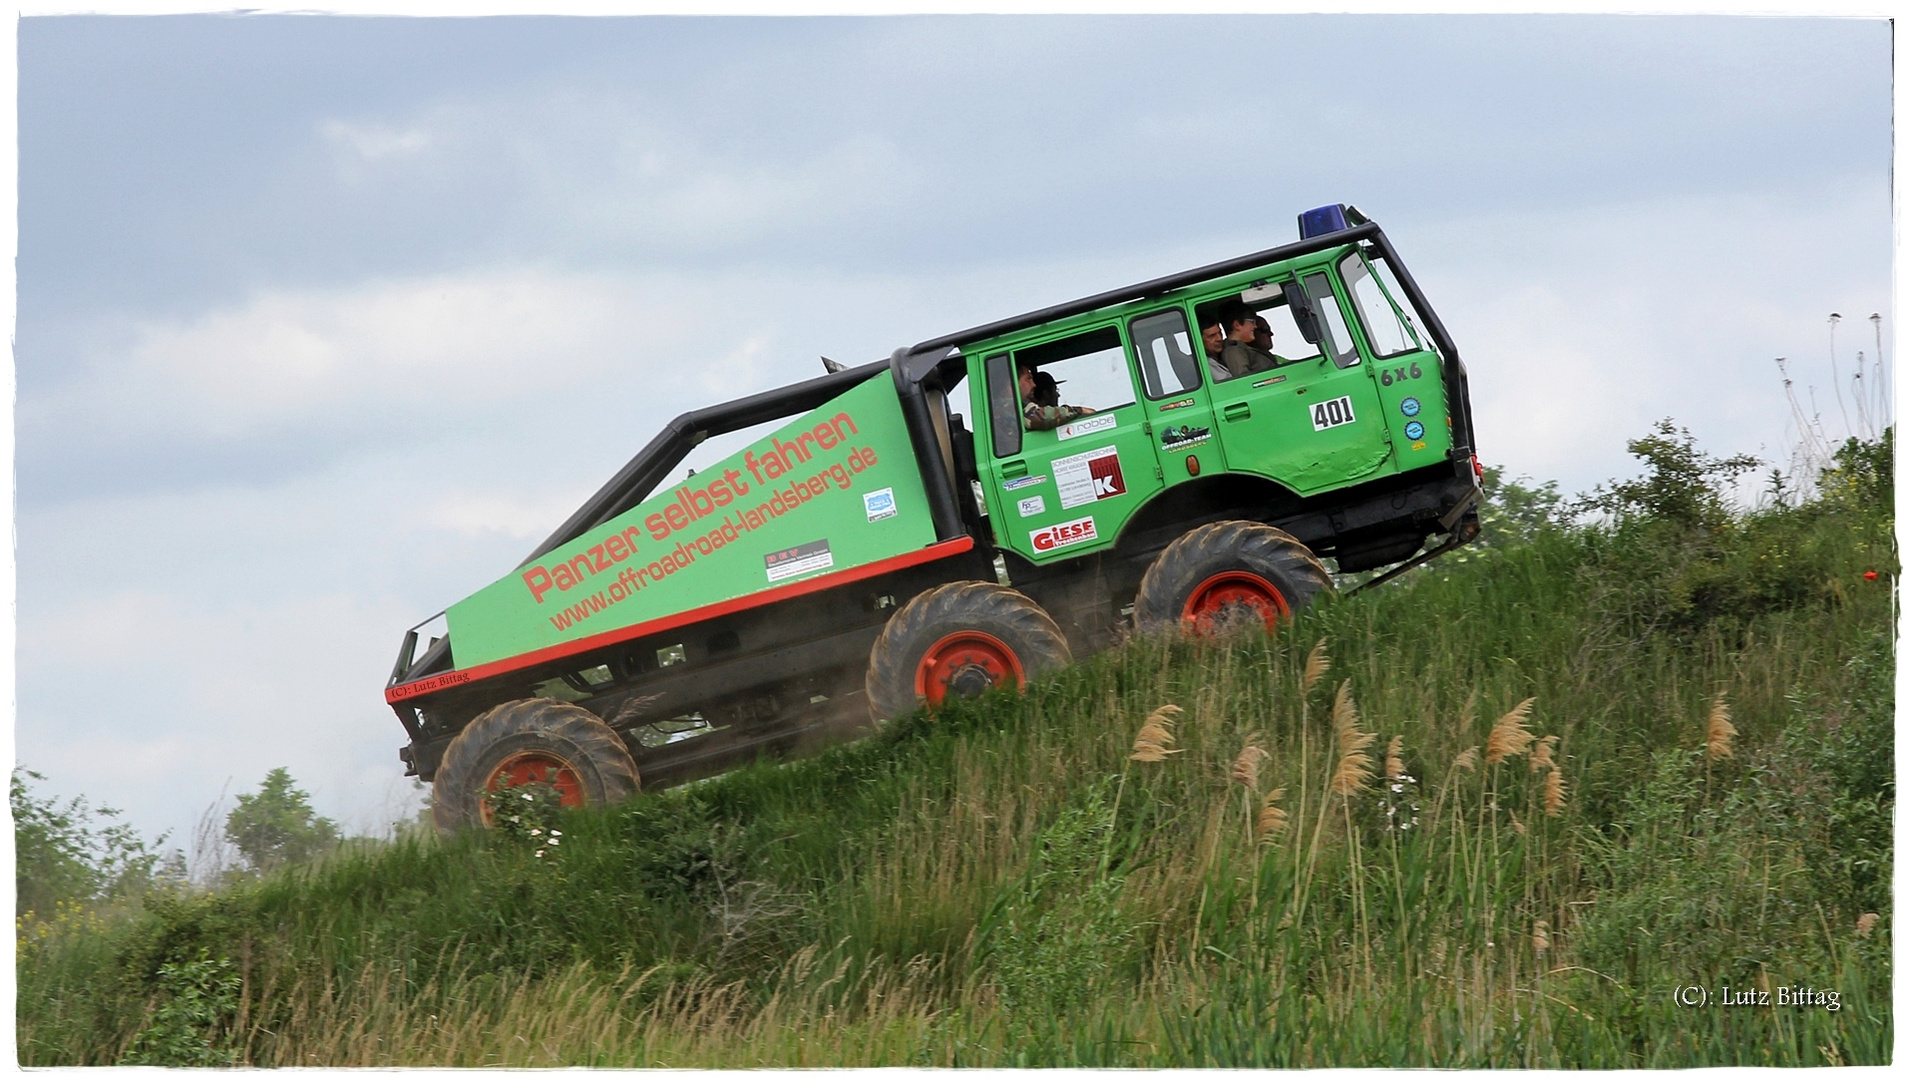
[{"x": 873, "y": 552}]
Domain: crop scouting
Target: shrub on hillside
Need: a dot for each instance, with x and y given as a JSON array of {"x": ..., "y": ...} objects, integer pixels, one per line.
[{"x": 74, "y": 852}]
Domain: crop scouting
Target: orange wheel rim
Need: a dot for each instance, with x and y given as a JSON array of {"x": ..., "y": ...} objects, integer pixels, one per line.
[
  {"x": 1228, "y": 595},
  {"x": 536, "y": 767},
  {"x": 964, "y": 664}
]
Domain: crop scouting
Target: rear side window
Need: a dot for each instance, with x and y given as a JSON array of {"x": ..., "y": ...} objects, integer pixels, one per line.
[
  {"x": 1089, "y": 369},
  {"x": 1004, "y": 406},
  {"x": 1164, "y": 350}
]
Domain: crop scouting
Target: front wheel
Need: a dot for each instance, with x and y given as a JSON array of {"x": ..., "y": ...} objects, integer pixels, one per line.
[
  {"x": 536, "y": 740},
  {"x": 960, "y": 640},
  {"x": 1228, "y": 574}
]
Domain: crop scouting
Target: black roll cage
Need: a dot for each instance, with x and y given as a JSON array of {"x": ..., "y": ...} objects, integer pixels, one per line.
[{"x": 932, "y": 367}]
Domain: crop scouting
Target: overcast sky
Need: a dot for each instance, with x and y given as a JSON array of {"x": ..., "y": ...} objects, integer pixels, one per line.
[{"x": 324, "y": 322}]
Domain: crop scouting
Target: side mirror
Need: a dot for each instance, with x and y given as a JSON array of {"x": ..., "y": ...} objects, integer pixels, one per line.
[{"x": 1301, "y": 306}]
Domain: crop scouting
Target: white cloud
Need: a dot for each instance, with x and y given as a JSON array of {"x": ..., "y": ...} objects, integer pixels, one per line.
[{"x": 371, "y": 142}]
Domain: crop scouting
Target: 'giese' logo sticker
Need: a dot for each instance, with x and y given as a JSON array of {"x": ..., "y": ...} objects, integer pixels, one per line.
[{"x": 1066, "y": 534}]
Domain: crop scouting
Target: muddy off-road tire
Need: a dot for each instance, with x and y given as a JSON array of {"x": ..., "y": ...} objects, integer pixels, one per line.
[
  {"x": 533, "y": 740},
  {"x": 1228, "y": 574},
  {"x": 959, "y": 640}
]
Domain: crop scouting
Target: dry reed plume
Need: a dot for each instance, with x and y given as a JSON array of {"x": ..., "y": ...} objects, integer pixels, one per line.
[
  {"x": 1394, "y": 765},
  {"x": 1272, "y": 820},
  {"x": 1540, "y": 937},
  {"x": 1554, "y": 792},
  {"x": 1468, "y": 760},
  {"x": 1317, "y": 664},
  {"x": 1156, "y": 734},
  {"x": 1866, "y": 923},
  {"x": 1508, "y": 736},
  {"x": 1245, "y": 770},
  {"x": 1355, "y": 765},
  {"x": 1718, "y": 731},
  {"x": 1541, "y": 754}
]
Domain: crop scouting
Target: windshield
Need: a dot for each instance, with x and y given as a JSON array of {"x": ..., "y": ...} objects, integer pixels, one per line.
[{"x": 1389, "y": 326}]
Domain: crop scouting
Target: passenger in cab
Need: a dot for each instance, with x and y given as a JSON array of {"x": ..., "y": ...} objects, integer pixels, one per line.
[
  {"x": 1242, "y": 354},
  {"x": 1043, "y": 410},
  {"x": 1213, "y": 335}
]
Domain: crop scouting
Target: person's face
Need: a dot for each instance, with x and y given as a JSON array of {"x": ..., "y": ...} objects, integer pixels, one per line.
[
  {"x": 1262, "y": 334},
  {"x": 1027, "y": 385},
  {"x": 1214, "y": 336},
  {"x": 1243, "y": 330}
]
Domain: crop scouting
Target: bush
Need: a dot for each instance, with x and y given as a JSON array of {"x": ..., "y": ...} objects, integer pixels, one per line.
[
  {"x": 73, "y": 853},
  {"x": 189, "y": 1024}
]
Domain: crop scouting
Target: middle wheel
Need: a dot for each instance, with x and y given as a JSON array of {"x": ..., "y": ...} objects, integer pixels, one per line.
[
  {"x": 959, "y": 640},
  {"x": 1228, "y": 573}
]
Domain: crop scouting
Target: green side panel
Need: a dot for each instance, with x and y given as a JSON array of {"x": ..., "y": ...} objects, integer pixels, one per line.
[
  {"x": 831, "y": 490},
  {"x": 1412, "y": 396}
]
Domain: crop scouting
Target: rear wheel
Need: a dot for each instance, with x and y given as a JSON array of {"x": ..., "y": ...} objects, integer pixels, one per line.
[
  {"x": 960, "y": 640},
  {"x": 1228, "y": 574},
  {"x": 537, "y": 740}
]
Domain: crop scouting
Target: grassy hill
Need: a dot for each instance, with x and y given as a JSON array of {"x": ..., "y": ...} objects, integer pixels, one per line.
[{"x": 1525, "y": 800}]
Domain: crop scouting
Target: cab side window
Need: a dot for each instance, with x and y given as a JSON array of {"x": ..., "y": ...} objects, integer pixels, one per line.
[
  {"x": 1164, "y": 351},
  {"x": 1280, "y": 337}
]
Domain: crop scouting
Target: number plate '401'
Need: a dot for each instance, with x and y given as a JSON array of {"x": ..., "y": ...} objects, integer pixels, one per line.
[{"x": 1330, "y": 414}]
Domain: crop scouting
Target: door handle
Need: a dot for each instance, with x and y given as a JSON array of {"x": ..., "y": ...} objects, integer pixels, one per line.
[
  {"x": 1239, "y": 410},
  {"x": 1011, "y": 470}
]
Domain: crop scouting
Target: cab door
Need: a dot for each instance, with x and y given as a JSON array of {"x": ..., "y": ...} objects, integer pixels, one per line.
[
  {"x": 1179, "y": 412},
  {"x": 1312, "y": 421},
  {"x": 1067, "y": 491}
]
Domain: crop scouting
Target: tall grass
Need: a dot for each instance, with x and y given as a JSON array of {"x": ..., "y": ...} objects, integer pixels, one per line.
[{"x": 1503, "y": 835}]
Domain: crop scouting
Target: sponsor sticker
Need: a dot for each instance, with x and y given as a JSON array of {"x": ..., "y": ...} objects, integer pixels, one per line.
[
  {"x": 1182, "y": 437},
  {"x": 798, "y": 560},
  {"x": 1183, "y": 403},
  {"x": 1032, "y": 505},
  {"x": 1089, "y": 477},
  {"x": 1025, "y": 481},
  {"x": 1066, "y": 534},
  {"x": 1269, "y": 382},
  {"x": 1332, "y": 414},
  {"x": 1409, "y": 406},
  {"x": 1086, "y": 425},
  {"x": 880, "y": 504},
  {"x": 1414, "y": 430}
]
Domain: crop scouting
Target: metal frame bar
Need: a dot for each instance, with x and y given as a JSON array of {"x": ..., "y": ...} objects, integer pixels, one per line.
[{"x": 1156, "y": 287}]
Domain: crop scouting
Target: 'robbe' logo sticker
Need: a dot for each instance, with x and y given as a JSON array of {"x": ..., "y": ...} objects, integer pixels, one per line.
[{"x": 1086, "y": 426}]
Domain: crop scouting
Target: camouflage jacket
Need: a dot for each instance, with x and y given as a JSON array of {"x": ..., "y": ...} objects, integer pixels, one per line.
[{"x": 1048, "y": 417}]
